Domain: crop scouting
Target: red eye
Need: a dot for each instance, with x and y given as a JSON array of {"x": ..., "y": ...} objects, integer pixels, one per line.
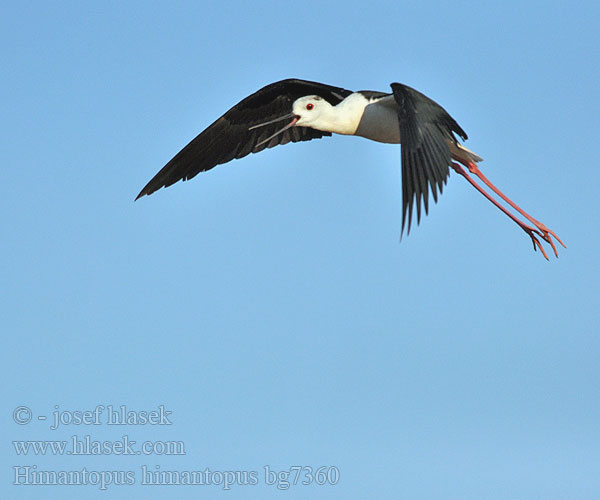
[{"x": 310, "y": 106}]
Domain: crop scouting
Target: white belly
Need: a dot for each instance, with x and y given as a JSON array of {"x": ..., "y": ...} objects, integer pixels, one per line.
[{"x": 379, "y": 122}]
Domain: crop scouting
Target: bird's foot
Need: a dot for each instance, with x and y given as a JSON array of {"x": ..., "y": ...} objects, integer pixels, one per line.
[
  {"x": 547, "y": 235},
  {"x": 533, "y": 233}
]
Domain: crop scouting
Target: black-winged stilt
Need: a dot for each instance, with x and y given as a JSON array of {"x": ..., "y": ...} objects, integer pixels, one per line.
[{"x": 298, "y": 110}]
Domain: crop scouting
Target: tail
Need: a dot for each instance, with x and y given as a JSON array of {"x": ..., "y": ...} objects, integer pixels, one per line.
[{"x": 460, "y": 153}]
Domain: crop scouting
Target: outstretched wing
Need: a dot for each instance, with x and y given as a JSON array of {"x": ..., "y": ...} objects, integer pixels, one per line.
[
  {"x": 425, "y": 131},
  {"x": 231, "y": 137}
]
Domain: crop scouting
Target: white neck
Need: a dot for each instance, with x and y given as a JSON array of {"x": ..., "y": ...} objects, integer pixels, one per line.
[{"x": 343, "y": 118}]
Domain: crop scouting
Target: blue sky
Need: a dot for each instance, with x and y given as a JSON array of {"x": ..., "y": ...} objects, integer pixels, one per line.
[{"x": 268, "y": 304}]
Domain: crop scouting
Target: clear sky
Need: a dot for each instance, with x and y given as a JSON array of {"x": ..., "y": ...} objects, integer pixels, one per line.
[{"x": 268, "y": 304}]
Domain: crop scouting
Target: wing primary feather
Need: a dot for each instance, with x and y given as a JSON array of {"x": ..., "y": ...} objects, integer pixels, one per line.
[{"x": 432, "y": 174}]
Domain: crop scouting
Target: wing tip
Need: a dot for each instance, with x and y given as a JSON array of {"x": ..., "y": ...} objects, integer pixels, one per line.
[{"x": 147, "y": 190}]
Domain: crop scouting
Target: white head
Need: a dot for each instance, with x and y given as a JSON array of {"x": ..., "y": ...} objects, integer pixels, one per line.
[
  {"x": 311, "y": 109},
  {"x": 308, "y": 111}
]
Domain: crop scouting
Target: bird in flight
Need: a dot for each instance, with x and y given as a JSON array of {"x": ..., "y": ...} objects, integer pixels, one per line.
[{"x": 299, "y": 110}]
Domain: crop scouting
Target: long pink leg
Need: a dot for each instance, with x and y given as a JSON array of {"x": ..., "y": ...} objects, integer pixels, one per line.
[
  {"x": 474, "y": 169},
  {"x": 531, "y": 231}
]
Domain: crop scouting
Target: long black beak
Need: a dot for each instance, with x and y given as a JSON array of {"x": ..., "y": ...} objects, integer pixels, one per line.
[
  {"x": 289, "y": 125},
  {"x": 285, "y": 117}
]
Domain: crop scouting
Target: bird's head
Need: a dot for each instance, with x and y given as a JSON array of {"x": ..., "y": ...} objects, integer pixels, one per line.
[{"x": 310, "y": 109}]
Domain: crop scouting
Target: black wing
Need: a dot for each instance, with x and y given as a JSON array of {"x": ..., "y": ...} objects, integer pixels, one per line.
[
  {"x": 229, "y": 137},
  {"x": 425, "y": 129}
]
